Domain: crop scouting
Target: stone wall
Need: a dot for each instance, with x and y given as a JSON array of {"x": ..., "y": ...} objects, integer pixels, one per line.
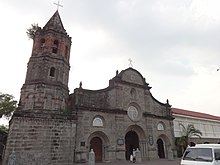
[
  {"x": 41, "y": 141},
  {"x": 115, "y": 126},
  {"x": 125, "y": 106}
]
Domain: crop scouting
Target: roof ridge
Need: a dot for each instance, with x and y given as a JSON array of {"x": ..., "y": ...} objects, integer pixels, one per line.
[{"x": 194, "y": 114}]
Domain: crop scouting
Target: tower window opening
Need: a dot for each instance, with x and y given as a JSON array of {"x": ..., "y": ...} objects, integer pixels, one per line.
[
  {"x": 55, "y": 46},
  {"x": 52, "y": 72},
  {"x": 66, "y": 52},
  {"x": 42, "y": 42}
]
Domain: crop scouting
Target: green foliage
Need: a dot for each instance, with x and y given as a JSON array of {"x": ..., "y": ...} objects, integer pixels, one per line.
[
  {"x": 7, "y": 105},
  {"x": 4, "y": 129},
  {"x": 187, "y": 132},
  {"x": 31, "y": 32},
  {"x": 190, "y": 131}
]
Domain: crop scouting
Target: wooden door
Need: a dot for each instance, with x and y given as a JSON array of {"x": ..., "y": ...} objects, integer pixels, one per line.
[{"x": 96, "y": 145}]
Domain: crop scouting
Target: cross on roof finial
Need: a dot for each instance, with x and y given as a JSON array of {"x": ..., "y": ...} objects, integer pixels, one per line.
[
  {"x": 58, "y": 4},
  {"x": 130, "y": 62}
]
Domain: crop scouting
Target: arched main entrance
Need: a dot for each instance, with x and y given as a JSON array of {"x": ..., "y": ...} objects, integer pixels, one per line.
[
  {"x": 96, "y": 145},
  {"x": 160, "y": 148},
  {"x": 131, "y": 142}
]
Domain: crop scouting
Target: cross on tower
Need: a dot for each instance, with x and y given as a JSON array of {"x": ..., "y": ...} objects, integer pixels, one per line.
[
  {"x": 58, "y": 4},
  {"x": 130, "y": 62}
]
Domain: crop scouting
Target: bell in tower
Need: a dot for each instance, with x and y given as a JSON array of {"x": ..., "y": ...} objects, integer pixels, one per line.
[{"x": 46, "y": 83}]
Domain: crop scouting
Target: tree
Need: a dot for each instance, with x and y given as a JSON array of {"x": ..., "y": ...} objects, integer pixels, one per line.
[
  {"x": 187, "y": 132},
  {"x": 7, "y": 105},
  {"x": 31, "y": 32},
  {"x": 4, "y": 129}
]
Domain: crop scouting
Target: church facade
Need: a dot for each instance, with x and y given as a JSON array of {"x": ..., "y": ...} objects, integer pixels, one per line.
[{"x": 51, "y": 126}]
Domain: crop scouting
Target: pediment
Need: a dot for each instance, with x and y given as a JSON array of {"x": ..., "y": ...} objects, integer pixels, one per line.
[{"x": 133, "y": 76}]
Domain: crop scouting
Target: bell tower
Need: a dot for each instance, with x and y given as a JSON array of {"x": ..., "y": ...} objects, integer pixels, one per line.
[
  {"x": 40, "y": 130},
  {"x": 46, "y": 83}
]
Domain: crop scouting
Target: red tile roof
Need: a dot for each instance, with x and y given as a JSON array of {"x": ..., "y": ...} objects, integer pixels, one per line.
[{"x": 194, "y": 114}]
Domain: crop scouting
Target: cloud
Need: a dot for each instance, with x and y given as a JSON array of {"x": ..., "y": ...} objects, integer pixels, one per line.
[{"x": 174, "y": 44}]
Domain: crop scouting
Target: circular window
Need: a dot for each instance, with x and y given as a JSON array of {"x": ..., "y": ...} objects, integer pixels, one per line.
[{"x": 133, "y": 113}]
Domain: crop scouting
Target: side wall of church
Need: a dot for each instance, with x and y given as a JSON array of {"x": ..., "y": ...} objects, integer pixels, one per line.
[{"x": 40, "y": 141}]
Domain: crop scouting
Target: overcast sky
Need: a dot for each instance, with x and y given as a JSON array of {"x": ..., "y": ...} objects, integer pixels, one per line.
[{"x": 174, "y": 44}]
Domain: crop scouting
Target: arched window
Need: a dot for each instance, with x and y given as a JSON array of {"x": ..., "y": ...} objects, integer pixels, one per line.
[
  {"x": 160, "y": 126},
  {"x": 97, "y": 122},
  {"x": 52, "y": 72},
  {"x": 55, "y": 46},
  {"x": 42, "y": 42}
]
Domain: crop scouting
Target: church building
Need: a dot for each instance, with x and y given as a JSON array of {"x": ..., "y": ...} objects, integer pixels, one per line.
[{"x": 53, "y": 126}]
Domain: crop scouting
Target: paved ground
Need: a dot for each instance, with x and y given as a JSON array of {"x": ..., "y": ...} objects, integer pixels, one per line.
[{"x": 154, "y": 162}]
